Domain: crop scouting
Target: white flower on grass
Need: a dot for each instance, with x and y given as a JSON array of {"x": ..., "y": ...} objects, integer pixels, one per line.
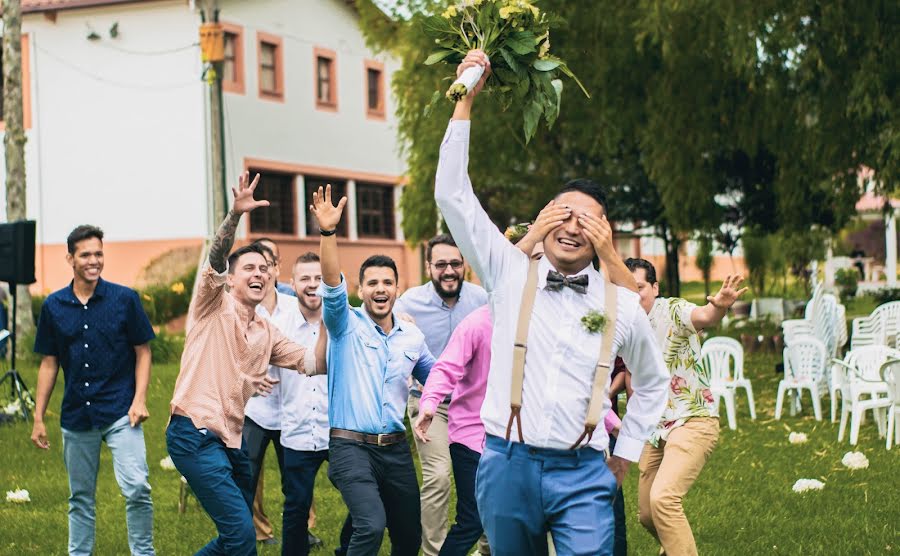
[
  {"x": 803, "y": 485},
  {"x": 855, "y": 460},
  {"x": 12, "y": 408},
  {"x": 797, "y": 438},
  {"x": 19, "y": 496},
  {"x": 166, "y": 463}
]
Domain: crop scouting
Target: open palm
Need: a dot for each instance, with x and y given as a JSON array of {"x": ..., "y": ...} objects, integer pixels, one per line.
[
  {"x": 729, "y": 293},
  {"x": 327, "y": 214},
  {"x": 243, "y": 195}
]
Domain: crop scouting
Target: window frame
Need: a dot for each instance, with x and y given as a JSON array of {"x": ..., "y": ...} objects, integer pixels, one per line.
[
  {"x": 278, "y": 43},
  {"x": 238, "y": 86},
  {"x": 387, "y": 213},
  {"x": 379, "y": 112},
  {"x": 331, "y": 105},
  {"x": 292, "y": 202}
]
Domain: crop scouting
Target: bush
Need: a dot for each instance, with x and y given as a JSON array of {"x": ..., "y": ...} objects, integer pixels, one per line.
[
  {"x": 847, "y": 280},
  {"x": 885, "y": 295},
  {"x": 167, "y": 348},
  {"x": 37, "y": 301},
  {"x": 164, "y": 302}
]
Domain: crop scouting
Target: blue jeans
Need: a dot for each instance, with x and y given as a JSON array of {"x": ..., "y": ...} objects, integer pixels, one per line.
[
  {"x": 81, "y": 452},
  {"x": 523, "y": 492},
  {"x": 466, "y": 531},
  {"x": 297, "y": 482},
  {"x": 220, "y": 479},
  {"x": 620, "y": 546}
]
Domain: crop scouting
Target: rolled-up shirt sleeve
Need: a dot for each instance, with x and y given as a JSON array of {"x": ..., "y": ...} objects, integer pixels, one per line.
[
  {"x": 649, "y": 380},
  {"x": 209, "y": 296},
  {"x": 289, "y": 355}
]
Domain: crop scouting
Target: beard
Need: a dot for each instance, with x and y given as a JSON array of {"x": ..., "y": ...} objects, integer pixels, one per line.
[
  {"x": 310, "y": 304},
  {"x": 443, "y": 290}
]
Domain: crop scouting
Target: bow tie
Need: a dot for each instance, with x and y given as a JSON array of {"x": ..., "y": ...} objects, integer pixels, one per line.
[{"x": 556, "y": 282}]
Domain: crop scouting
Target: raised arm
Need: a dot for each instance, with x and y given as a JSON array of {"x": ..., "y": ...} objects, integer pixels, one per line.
[
  {"x": 335, "y": 307},
  {"x": 479, "y": 240},
  {"x": 224, "y": 240},
  {"x": 714, "y": 311}
]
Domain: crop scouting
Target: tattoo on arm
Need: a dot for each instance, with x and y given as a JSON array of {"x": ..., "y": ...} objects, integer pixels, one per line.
[{"x": 222, "y": 243}]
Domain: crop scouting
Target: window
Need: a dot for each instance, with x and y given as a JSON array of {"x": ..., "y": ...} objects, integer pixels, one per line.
[
  {"x": 338, "y": 190},
  {"x": 233, "y": 65},
  {"x": 374, "y": 89},
  {"x": 325, "y": 78},
  {"x": 375, "y": 210},
  {"x": 271, "y": 71},
  {"x": 279, "y": 217}
]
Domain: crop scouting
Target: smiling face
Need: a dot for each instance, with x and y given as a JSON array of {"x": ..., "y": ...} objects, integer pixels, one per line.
[
  {"x": 567, "y": 248},
  {"x": 306, "y": 280},
  {"x": 248, "y": 278},
  {"x": 378, "y": 291},
  {"x": 446, "y": 270},
  {"x": 87, "y": 261}
]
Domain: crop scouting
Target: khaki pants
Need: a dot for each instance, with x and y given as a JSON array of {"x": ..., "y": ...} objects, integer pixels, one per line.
[
  {"x": 436, "y": 472},
  {"x": 666, "y": 474}
]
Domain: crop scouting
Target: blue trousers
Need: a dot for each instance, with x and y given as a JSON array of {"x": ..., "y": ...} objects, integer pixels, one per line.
[
  {"x": 620, "y": 546},
  {"x": 221, "y": 480},
  {"x": 523, "y": 492},
  {"x": 297, "y": 482},
  {"x": 467, "y": 530}
]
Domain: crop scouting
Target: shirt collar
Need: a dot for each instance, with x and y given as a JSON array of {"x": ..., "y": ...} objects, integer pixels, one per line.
[
  {"x": 398, "y": 322},
  {"x": 101, "y": 290}
]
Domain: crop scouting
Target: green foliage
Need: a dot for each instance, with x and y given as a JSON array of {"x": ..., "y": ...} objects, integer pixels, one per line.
[
  {"x": 704, "y": 258},
  {"x": 847, "y": 280},
  {"x": 167, "y": 348},
  {"x": 164, "y": 302},
  {"x": 756, "y": 248},
  {"x": 37, "y": 301},
  {"x": 885, "y": 295}
]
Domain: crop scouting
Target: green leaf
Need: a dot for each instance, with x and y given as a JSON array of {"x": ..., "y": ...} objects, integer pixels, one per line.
[
  {"x": 552, "y": 113},
  {"x": 546, "y": 65},
  {"x": 521, "y": 43},
  {"x": 438, "y": 56},
  {"x": 511, "y": 61},
  {"x": 522, "y": 87},
  {"x": 565, "y": 69},
  {"x": 532, "y": 116},
  {"x": 435, "y": 98}
]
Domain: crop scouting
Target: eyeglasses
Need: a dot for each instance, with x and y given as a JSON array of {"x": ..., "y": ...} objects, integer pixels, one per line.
[{"x": 442, "y": 265}]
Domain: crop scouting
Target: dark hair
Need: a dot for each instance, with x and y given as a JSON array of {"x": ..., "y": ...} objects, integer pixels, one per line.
[
  {"x": 266, "y": 250},
  {"x": 81, "y": 233},
  {"x": 252, "y": 248},
  {"x": 440, "y": 239},
  {"x": 634, "y": 264},
  {"x": 590, "y": 188},
  {"x": 308, "y": 257},
  {"x": 263, "y": 240},
  {"x": 378, "y": 261}
]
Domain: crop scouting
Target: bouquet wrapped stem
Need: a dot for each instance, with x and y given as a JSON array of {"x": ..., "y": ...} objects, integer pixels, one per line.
[{"x": 515, "y": 35}]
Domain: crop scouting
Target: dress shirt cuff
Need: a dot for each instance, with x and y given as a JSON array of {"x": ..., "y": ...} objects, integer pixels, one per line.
[
  {"x": 309, "y": 362},
  {"x": 325, "y": 291},
  {"x": 427, "y": 404},
  {"x": 628, "y": 448},
  {"x": 458, "y": 131},
  {"x": 217, "y": 278}
]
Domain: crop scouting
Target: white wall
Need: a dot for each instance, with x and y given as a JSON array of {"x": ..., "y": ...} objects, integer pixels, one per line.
[
  {"x": 117, "y": 138},
  {"x": 294, "y": 131}
]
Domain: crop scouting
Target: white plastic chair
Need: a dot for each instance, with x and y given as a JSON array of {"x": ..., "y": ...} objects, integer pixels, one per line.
[
  {"x": 882, "y": 327},
  {"x": 724, "y": 357},
  {"x": 804, "y": 369},
  {"x": 865, "y": 388},
  {"x": 890, "y": 374}
]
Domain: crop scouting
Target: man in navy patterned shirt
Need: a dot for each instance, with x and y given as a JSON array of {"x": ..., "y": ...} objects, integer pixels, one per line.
[{"x": 98, "y": 332}]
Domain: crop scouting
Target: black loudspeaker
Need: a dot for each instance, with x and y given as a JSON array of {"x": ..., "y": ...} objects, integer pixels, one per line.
[{"x": 17, "y": 252}]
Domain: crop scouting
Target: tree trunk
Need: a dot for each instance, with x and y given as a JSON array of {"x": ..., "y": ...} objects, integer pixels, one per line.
[
  {"x": 673, "y": 278},
  {"x": 14, "y": 142}
]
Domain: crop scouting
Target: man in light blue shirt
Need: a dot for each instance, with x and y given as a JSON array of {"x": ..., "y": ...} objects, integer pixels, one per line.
[
  {"x": 371, "y": 356},
  {"x": 437, "y": 307}
]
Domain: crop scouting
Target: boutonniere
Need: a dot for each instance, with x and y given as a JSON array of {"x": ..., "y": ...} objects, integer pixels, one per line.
[{"x": 594, "y": 321}]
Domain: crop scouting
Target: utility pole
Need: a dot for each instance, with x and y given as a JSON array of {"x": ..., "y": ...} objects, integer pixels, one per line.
[
  {"x": 212, "y": 45},
  {"x": 14, "y": 141}
]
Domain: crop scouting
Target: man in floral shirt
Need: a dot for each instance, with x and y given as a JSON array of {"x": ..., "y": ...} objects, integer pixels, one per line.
[{"x": 689, "y": 428}]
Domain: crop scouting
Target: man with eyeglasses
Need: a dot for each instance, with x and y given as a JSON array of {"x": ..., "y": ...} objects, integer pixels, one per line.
[{"x": 438, "y": 306}]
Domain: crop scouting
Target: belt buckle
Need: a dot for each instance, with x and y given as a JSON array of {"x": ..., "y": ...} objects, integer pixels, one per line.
[{"x": 379, "y": 444}]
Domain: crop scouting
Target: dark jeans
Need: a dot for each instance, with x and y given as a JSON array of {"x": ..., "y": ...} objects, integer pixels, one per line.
[
  {"x": 256, "y": 442},
  {"x": 620, "y": 541},
  {"x": 467, "y": 529},
  {"x": 297, "y": 481},
  {"x": 220, "y": 479},
  {"x": 379, "y": 487}
]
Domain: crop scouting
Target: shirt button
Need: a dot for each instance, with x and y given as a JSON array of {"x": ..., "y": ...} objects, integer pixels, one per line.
[
  {"x": 85, "y": 345},
  {"x": 87, "y": 403},
  {"x": 85, "y": 327},
  {"x": 85, "y": 307},
  {"x": 86, "y": 384},
  {"x": 86, "y": 365}
]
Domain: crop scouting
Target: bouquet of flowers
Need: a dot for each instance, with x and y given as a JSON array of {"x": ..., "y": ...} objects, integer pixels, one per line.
[{"x": 515, "y": 35}]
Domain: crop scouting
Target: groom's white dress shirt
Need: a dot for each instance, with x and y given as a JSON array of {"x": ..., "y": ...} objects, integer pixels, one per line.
[{"x": 562, "y": 354}]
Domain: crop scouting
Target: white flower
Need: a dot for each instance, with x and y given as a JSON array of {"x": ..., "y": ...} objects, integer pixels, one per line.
[
  {"x": 166, "y": 463},
  {"x": 12, "y": 408},
  {"x": 797, "y": 438},
  {"x": 18, "y": 496},
  {"x": 855, "y": 460},
  {"x": 803, "y": 485}
]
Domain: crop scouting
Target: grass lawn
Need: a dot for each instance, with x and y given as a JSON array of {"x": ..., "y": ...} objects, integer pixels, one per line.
[{"x": 742, "y": 503}]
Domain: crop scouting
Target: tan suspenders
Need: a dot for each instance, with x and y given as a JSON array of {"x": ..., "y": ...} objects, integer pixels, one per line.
[{"x": 520, "y": 349}]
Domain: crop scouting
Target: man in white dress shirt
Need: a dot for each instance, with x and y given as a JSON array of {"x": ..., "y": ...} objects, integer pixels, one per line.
[{"x": 541, "y": 483}]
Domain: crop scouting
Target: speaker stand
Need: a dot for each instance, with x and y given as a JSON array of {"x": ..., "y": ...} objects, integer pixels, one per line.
[{"x": 17, "y": 387}]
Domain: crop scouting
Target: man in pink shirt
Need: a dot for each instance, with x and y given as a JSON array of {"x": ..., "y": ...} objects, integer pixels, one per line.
[{"x": 463, "y": 370}]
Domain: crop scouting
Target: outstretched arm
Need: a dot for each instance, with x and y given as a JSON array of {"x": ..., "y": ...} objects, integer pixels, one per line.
[
  {"x": 224, "y": 240},
  {"x": 712, "y": 313},
  {"x": 335, "y": 307}
]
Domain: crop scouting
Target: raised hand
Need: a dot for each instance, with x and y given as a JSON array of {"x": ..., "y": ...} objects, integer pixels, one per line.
[
  {"x": 475, "y": 58},
  {"x": 729, "y": 293},
  {"x": 599, "y": 232},
  {"x": 243, "y": 195},
  {"x": 423, "y": 423},
  {"x": 327, "y": 214}
]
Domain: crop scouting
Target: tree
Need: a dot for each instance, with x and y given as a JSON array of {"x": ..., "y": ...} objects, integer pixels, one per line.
[
  {"x": 704, "y": 259},
  {"x": 14, "y": 141}
]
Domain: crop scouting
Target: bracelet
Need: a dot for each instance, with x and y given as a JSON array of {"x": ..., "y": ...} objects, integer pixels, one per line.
[{"x": 327, "y": 232}]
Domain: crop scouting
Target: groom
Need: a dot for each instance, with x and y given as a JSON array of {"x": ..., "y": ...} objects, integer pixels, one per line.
[{"x": 551, "y": 478}]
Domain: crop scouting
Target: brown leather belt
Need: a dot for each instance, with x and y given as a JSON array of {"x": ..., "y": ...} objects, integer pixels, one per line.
[{"x": 375, "y": 439}]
